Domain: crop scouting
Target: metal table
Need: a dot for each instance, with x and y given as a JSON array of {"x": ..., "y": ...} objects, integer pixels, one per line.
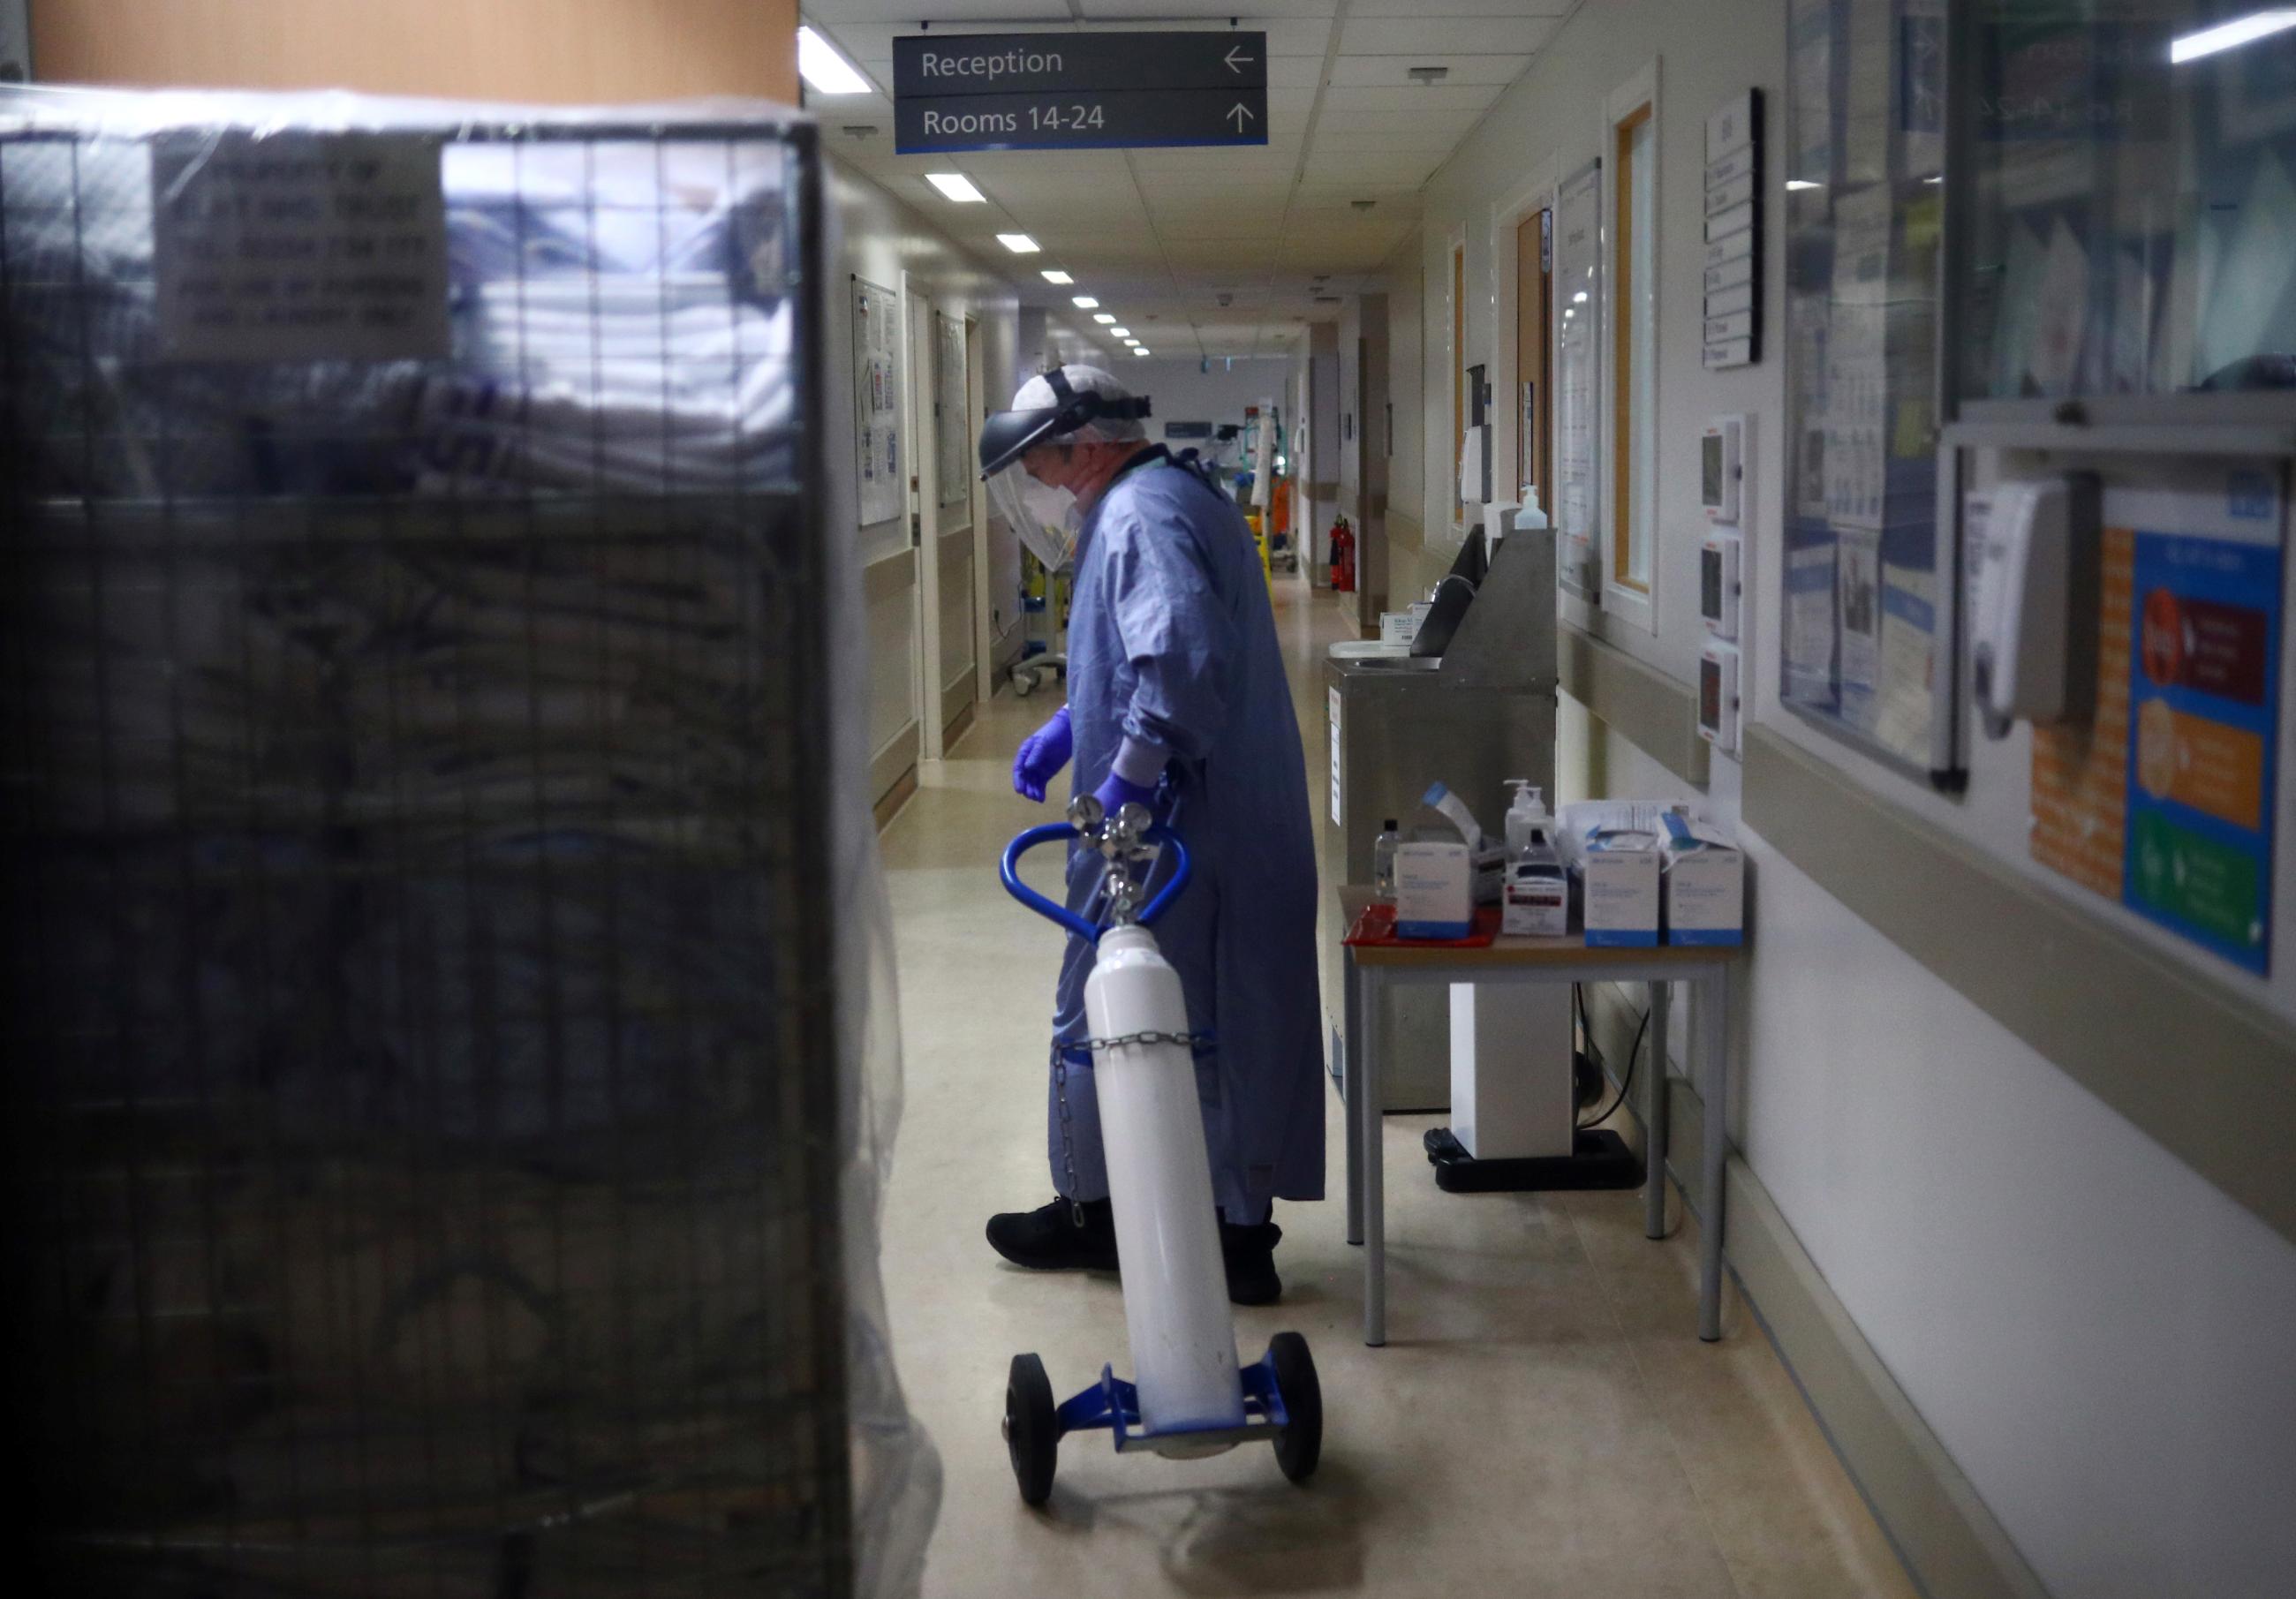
[{"x": 1373, "y": 973}]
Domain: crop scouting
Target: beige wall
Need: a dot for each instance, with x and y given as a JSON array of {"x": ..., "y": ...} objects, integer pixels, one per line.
[
  {"x": 560, "y": 50},
  {"x": 2032, "y": 1270}
]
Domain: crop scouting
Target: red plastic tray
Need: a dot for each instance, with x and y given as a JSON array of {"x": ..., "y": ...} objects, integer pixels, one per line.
[{"x": 1376, "y": 926}]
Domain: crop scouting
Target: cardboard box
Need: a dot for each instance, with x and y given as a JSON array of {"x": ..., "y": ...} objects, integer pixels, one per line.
[
  {"x": 1705, "y": 884},
  {"x": 1613, "y": 848},
  {"x": 1434, "y": 890}
]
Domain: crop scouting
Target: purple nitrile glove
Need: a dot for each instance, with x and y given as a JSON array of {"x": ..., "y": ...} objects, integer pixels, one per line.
[
  {"x": 1117, "y": 792},
  {"x": 1042, "y": 753}
]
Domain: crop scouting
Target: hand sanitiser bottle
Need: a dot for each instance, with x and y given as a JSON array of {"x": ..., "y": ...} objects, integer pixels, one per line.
[
  {"x": 1538, "y": 902},
  {"x": 1383, "y": 863}
]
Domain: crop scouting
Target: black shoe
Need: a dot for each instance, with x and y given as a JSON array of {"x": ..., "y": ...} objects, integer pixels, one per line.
[
  {"x": 1048, "y": 1238},
  {"x": 1250, "y": 1253}
]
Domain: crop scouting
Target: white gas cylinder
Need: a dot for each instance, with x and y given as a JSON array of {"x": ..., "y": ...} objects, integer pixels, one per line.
[{"x": 1159, "y": 1184}]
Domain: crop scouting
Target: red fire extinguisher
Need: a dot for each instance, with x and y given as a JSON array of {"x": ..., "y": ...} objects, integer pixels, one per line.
[{"x": 1343, "y": 557}]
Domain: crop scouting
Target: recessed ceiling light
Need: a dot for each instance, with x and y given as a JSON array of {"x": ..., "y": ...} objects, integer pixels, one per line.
[
  {"x": 1134, "y": 343},
  {"x": 1138, "y": 351},
  {"x": 828, "y": 72},
  {"x": 1053, "y": 274},
  {"x": 1083, "y": 302},
  {"x": 1795, "y": 185},
  {"x": 1103, "y": 318},
  {"x": 956, "y": 186},
  {"x": 2230, "y": 36},
  {"x": 1123, "y": 334},
  {"x": 1020, "y": 244}
]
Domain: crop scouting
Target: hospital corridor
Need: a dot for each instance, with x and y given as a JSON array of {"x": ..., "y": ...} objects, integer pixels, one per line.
[
  {"x": 1099, "y": 798},
  {"x": 1544, "y": 1430}
]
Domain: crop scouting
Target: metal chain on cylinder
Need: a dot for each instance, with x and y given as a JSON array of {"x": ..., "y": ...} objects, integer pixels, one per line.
[{"x": 1067, "y": 1131}]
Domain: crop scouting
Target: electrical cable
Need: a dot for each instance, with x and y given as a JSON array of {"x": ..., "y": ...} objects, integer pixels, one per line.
[{"x": 1634, "y": 1053}]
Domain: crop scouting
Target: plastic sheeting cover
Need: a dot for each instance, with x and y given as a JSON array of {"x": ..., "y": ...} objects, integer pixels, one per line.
[{"x": 448, "y": 991}]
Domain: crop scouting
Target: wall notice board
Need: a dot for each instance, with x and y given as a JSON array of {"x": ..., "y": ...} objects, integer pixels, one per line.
[
  {"x": 952, "y": 431},
  {"x": 877, "y": 400},
  {"x": 2164, "y": 801},
  {"x": 1578, "y": 368},
  {"x": 1869, "y": 596}
]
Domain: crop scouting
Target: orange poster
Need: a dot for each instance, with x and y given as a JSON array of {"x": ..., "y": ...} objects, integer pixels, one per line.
[{"x": 2080, "y": 772}]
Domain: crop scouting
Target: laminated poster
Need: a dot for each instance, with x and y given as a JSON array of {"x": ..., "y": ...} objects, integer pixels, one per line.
[
  {"x": 298, "y": 247},
  {"x": 1858, "y": 607},
  {"x": 951, "y": 424},
  {"x": 1577, "y": 345},
  {"x": 877, "y": 400},
  {"x": 2166, "y": 801}
]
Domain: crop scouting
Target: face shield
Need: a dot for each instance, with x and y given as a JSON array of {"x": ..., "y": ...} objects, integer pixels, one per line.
[
  {"x": 1069, "y": 404},
  {"x": 1044, "y": 517}
]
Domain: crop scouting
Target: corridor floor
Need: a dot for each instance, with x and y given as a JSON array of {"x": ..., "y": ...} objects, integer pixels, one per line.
[{"x": 1543, "y": 1422}]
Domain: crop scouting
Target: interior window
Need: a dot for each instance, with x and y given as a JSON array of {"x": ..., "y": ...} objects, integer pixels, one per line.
[{"x": 1634, "y": 385}]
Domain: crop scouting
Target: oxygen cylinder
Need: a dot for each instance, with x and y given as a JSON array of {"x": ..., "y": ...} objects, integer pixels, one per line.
[{"x": 1159, "y": 1184}]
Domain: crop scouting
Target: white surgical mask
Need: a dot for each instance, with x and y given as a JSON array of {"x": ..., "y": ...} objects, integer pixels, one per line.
[{"x": 1045, "y": 518}]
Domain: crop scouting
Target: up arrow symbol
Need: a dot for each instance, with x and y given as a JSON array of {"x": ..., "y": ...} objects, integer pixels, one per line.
[
  {"x": 1241, "y": 113},
  {"x": 1235, "y": 55}
]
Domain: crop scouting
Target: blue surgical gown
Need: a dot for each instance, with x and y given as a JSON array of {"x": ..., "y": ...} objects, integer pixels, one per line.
[{"x": 1172, "y": 640}]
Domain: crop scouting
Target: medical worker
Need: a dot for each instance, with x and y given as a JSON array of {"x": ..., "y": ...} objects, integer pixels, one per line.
[{"x": 1176, "y": 700}]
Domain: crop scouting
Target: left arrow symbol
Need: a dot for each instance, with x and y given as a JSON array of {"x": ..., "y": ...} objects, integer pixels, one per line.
[
  {"x": 1237, "y": 55},
  {"x": 1241, "y": 113}
]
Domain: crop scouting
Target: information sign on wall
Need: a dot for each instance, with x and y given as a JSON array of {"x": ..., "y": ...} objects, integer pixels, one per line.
[
  {"x": 2165, "y": 801},
  {"x": 1732, "y": 334},
  {"x": 1078, "y": 91},
  {"x": 877, "y": 400}
]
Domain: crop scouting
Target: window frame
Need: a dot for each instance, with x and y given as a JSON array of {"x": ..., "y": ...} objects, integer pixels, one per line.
[
  {"x": 1457, "y": 248},
  {"x": 1625, "y": 110}
]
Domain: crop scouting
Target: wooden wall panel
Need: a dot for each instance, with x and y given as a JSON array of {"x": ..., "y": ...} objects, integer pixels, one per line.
[{"x": 549, "y": 50}]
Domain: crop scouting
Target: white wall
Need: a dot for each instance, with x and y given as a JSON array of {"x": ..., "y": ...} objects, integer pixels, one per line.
[
  {"x": 1182, "y": 392},
  {"x": 2101, "y": 1340},
  {"x": 882, "y": 238}
]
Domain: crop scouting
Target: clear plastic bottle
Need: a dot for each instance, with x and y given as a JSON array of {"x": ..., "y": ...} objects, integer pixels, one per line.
[{"x": 1383, "y": 864}]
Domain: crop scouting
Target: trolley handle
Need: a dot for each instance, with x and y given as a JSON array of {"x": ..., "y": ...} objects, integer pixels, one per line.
[{"x": 1051, "y": 911}]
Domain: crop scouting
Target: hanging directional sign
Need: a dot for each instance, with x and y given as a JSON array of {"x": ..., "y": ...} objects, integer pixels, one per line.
[{"x": 1078, "y": 91}]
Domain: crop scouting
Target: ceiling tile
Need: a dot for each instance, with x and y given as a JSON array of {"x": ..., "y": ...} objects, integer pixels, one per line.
[
  {"x": 1417, "y": 35},
  {"x": 913, "y": 12},
  {"x": 1491, "y": 69},
  {"x": 1286, "y": 36},
  {"x": 1411, "y": 97},
  {"x": 1454, "y": 122},
  {"x": 1556, "y": 9},
  {"x": 1197, "y": 12}
]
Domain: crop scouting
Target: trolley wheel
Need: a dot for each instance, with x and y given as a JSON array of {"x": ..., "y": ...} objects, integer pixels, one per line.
[
  {"x": 1032, "y": 1428},
  {"x": 1300, "y": 1445}
]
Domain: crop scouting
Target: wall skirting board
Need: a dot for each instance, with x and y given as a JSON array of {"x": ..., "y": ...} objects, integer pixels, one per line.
[
  {"x": 2107, "y": 1009},
  {"x": 1949, "y": 1542},
  {"x": 892, "y": 765},
  {"x": 1653, "y": 712}
]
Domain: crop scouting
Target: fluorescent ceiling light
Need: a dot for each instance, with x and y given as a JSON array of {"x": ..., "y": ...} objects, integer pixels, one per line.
[
  {"x": 2232, "y": 35},
  {"x": 1103, "y": 318},
  {"x": 1053, "y": 274},
  {"x": 1132, "y": 343},
  {"x": 1083, "y": 302},
  {"x": 1020, "y": 244},
  {"x": 1123, "y": 334},
  {"x": 820, "y": 65},
  {"x": 1138, "y": 351},
  {"x": 1579, "y": 298},
  {"x": 956, "y": 186},
  {"x": 1795, "y": 185}
]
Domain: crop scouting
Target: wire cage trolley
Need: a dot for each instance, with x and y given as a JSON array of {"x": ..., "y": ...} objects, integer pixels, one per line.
[{"x": 422, "y": 1020}]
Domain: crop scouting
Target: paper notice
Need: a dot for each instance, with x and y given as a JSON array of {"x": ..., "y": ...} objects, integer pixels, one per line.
[{"x": 299, "y": 247}]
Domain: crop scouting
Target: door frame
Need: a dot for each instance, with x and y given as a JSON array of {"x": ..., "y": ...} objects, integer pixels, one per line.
[
  {"x": 976, "y": 414},
  {"x": 923, "y": 506},
  {"x": 1534, "y": 195}
]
